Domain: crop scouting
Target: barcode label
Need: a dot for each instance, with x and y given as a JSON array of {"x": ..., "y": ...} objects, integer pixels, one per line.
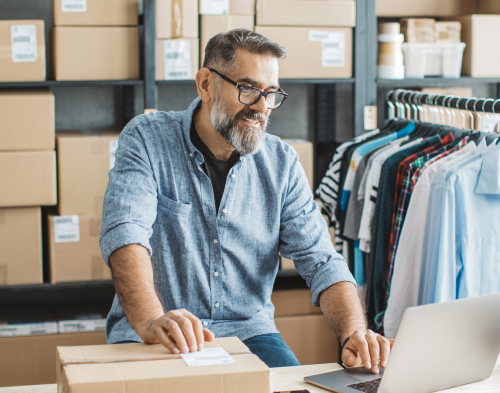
[
  {"x": 23, "y": 41},
  {"x": 74, "y": 5},
  {"x": 214, "y": 7},
  {"x": 177, "y": 59},
  {"x": 28, "y": 329},
  {"x": 113, "y": 145},
  {"x": 74, "y": 326},
  {"x": 66, "y": 229},
  {"x": 332, "y": 47}
]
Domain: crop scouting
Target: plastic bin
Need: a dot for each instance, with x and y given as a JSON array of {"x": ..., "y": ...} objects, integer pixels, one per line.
[{"x": 433, "y": 59}]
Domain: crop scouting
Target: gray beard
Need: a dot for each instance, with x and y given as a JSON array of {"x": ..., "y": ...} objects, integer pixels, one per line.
[{"x": 246, "y": 140}]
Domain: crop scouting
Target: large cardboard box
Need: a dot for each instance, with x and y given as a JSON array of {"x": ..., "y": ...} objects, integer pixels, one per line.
[
  {"x": 152, "y": 368},
  {"x": 74, "y": 252},
  {"x": 96, "y": 53},
  {"x": 23, "y": 50},
  {"x": 326, "y": 13},
  {"x": 211, "y": 25},
  {"x": 293, "y": 302},
  {"x": 176, "y": 19},
  {"x": 488, "y": 7},
  {"x": 227, "y": 7},
  {"x": 431, "y": 8},
  {"x": 96, "y": 12},
  {"x": 313, "y": 52},
  {"x": 83, "y": 164},
  {"x": 310, "y": 338},
  {"x": 21, "y": 246},
  {"x": 28, "y": 178},
  {"x": 305, "y": 151},
  {"x": 31, "y": 360},
  {"x": 28, "y": 120},
  {"x": 177, "y": 58}
]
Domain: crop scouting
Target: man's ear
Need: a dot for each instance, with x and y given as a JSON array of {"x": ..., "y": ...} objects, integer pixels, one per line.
[{"x": 204, "y": 84}]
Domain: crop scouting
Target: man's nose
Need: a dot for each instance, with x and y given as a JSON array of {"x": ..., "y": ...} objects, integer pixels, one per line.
[{"x": 260, "y": 105}]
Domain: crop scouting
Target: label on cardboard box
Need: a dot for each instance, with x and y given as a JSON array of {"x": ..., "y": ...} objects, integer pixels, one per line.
[
  {"x": 332, "y": 47},
  {"x": 66, "y": 229},
  {"x": 207, "y": 357},
  {"x": 74, "y": 5},
  {"x": 82, "y": 325},
  {"x": 177, "y": 59},
  {"x": 214, "y": 7},
  {"x": 23, "y": 40},
  {"x": 113, "y": 145},
  {"x": 28, "y": 329}
]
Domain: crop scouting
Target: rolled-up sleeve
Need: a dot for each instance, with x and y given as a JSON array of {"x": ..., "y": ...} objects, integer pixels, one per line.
[
  {"x": 304, "y": 236},
  {"x": 130, "y": 202}
]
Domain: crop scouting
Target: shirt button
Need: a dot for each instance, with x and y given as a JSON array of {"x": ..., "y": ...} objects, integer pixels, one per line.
[
  {"x": 215, "y": 241},
  {"x": 190, "y": 154},
  {"x": 233, "y": 176},
  {"x": 224, "y": 210},
  {"x": 217, "y": 305},
  {"x": 205, "y": 323},
  {"x": 216, "y": 274}
]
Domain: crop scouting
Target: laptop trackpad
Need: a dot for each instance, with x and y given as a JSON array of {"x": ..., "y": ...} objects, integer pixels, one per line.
[
  {"x": 362, "y": 373},
  {"x": 343, "y": 377}
]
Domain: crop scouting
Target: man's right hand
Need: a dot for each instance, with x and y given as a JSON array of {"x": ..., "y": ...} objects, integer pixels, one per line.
[{"x": 179, "y": 331}]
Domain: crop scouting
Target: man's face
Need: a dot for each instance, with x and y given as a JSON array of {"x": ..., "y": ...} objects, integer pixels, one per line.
[{"x": 243, "y": 126}]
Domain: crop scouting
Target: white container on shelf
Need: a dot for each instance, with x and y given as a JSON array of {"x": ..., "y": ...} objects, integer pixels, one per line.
[{"x": 433, "y": 59}]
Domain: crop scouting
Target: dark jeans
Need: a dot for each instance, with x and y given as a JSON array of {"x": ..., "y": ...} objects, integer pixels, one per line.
[{"x": 270, "y": 348}]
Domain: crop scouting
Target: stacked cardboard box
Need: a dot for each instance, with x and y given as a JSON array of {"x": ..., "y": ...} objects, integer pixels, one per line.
[
  {"x": 418, "y": 30},
  {"x": 316, "y": 34},
  {"x": 430, "y": 8},
  {"x": 83, "y": 164},
  {"x": 27, "y": 181},
  {"x": 448, "y": 32},
  {"x": 96, "y": 39}
]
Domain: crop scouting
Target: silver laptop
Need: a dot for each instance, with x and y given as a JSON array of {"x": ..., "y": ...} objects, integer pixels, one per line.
[{"x": 437, "y": 346}]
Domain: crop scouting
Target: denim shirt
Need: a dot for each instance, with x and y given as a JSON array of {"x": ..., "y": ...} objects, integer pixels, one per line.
[{"x": 219, "y": 267}]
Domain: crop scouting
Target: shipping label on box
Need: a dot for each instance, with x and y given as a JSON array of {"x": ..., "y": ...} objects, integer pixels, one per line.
[
  {"x": 332, "y": 48},
  {"x": 28, "y": 329},
  {"x": 82, "y": 325},
  {"x": 74, "y": 5},
  {"x": 66, "y": 229},
  {"x": 214, "y": 7},
  {"x": 177, "y": 60},
  {"x": 24, "y": 43}
]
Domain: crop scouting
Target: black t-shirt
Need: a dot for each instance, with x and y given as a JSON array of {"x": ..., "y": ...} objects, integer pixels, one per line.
[{"x": 217, "y": 170}]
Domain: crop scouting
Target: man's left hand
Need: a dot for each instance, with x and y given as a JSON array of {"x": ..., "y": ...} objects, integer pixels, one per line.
[{"x": 367, "y": 348}]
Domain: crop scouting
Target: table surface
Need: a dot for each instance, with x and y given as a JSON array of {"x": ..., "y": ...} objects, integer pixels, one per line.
[{"x": 292, "y": 378}]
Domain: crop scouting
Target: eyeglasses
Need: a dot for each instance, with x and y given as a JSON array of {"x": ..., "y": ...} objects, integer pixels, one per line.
[{"x": 250, "y": 95}]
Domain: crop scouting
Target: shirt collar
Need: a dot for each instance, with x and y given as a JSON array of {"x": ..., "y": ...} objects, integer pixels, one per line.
[
  {"x": 489, "y": 177},
  {"x": 187, "y": 119}
]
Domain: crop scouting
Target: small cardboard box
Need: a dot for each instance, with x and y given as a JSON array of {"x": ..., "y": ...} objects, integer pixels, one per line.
[
  {"x": 325, "y": 13},
  {"x": 28, "y": 178},
  {"x": 305, "y": 151},
  {"x": 96, "y": 12},
  {"x": 83, "y": 164},
  {"x": 176, "y": 19},
  {"x": 431, "y": 8},
  {"x": 22, "y": 132},
  {"x": 21, "y": 245},
  {"x": 23, "y": 50},
  {"x": 74, "y": 252},
  {"x": 152, "y": 368},
  {"x": 96, "y": 53},
  {"x": 227, "y": 7},
  {"x": 177, "y": 59},
  {"x": 313, "y": 52},
  {"x": 293, "y": 302},
  {"x": 211, "y": 25}
]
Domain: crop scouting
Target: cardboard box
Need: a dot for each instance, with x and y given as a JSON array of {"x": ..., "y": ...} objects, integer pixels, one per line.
[
  {"x": 74, "y": 252},
  {"x": 211, "y": 25},
  {"x": 310, "y": 338},
  {"x": 227, "y": 7},
  {"x": 293, "y": 302},
  {"x": 143, "y": 367},
  {"x": 320, "y": 52},
  {"x": 482, "y": 53},
  {"x": 424, "y": 7},
  {"x": 21, "y": 245},
  {"x": 30, "y": 360},
  {"x": 176, "y": 19},
  {"x": 96, "y": 53},
  {"x": 305, "y": 151},
  {"x": 177, "y": 59},
  {"x": 23, "y": 50},
  {"x": 488, "y": 7},
  {"x": 28, "y": 178},
  {"x": 286, "y": 264},
  {"x": 326, "y": 13},
  {"x": 96, "y": 13},
  {"x": 83, "y": 164},
  {"x": 22, "y": 132}
]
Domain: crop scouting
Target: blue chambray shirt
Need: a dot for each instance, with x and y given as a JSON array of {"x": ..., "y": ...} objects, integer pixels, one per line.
[{"x": 219, "y": 267}]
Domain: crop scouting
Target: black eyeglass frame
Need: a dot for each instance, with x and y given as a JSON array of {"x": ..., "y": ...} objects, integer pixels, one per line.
[{"x": 262, "y": 93}]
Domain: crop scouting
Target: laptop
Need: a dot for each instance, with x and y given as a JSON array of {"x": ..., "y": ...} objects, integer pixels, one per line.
[{"x": 437, "y": 346}]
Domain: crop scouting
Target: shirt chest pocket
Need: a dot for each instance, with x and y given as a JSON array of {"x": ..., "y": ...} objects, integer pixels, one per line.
[{"x": 171, "y": 208}]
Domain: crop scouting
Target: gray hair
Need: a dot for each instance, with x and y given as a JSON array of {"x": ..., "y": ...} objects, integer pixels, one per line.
[{"x": 220, "y": 52}]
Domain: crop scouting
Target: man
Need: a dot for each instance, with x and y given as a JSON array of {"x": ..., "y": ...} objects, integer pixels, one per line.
[{"x": 199, "y": 204}]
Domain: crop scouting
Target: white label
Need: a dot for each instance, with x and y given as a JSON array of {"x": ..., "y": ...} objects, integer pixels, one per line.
[
  {"x": 332, "y": 47},
  {"x": 207, "y": 357},
  {"x": 23, "y": 39},
  {"x": 66, "y": 229},
  {"x": 28, "y": 329},
  {"x": 177, "y": 59},
  {"x": 91, "y": 325},
  {"x": 74, "y": 5},
  {"x": 214, "y": 7},
  {"x": 113, "y": 145}
]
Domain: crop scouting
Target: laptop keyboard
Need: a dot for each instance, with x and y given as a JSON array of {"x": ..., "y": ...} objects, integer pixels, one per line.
[{"x": 367, "y": 386}]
